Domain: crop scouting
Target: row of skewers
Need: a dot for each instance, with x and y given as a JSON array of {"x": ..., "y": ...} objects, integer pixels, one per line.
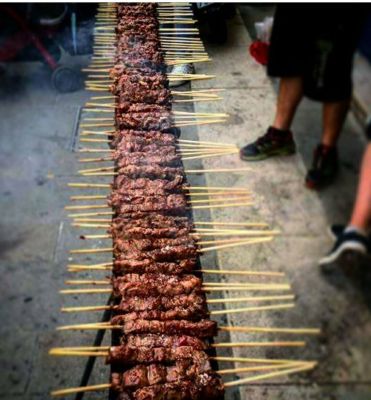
[{"x": 164, "y": 340}]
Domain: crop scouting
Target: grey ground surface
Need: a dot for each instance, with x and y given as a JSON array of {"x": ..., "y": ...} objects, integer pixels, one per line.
[{"x": 37, "y": 160}]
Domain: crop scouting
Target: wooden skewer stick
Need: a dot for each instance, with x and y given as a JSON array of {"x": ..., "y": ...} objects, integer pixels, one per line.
[
  {"x": 103, "y": 350},
  {"x": 205, "y": 288},
  {"x": 221, "y": 202},
  {"x": 211, "y": 284},
  {"x": 209, "y": 301},
  {"x": 91, "y": 388},
  {"x": 195, "y": 188},
  {"x": 256, "y": 368},
  {"x": 252, "y": 309},
  {"x": 255, "y": 329},
  {"x": 242, "y": 243},
  {"x": 108, "y": 266},
  {"x": 258, "y": 360},
  {"x": 302, "y": 368}
]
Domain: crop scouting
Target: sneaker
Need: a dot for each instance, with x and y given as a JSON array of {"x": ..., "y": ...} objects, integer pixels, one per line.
[
  {"x": 336, "y": 230},
  {"x": 181, "y": 69},
  {"x": 324, "y": 167},
  {"x": 274, "y": 143},
  {"x": 347, "y": 242}
]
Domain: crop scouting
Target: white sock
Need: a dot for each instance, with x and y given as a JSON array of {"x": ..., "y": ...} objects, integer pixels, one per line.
[{"x": 351, "y": 228}]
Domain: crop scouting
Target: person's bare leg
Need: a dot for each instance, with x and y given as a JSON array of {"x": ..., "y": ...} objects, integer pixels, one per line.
[
  {"x": 325, "y": 161},
  {"x": 278, "y": 140},
  {"x": 334, "y": 115},
  {"x": 361, "y": 216},
  {"x": 289, "y": 96}
]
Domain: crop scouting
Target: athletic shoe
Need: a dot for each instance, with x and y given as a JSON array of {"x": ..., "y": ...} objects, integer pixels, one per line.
[
  {"x": 347, "y": 242},
  {"x": 336, "y": 230},
  {"x": 274, "y": 142},
  {"x": 324, "y": 167},
  {"x": 181, "y": 69}
]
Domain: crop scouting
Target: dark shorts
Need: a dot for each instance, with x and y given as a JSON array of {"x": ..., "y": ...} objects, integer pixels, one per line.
[{"x": 317, "y": 42}]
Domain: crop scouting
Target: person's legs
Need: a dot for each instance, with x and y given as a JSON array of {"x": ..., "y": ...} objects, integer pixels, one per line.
[
  {"x": 278, "y": 139},
  {"x": 361, "y": 216},
  {"x": 289, "y": 96},
  {"x": 334, "y": 115},
  {"x": 325, "y": 161}
]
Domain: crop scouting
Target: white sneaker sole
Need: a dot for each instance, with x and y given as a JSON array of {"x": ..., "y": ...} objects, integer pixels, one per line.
[{"x": 347, "y": 246}]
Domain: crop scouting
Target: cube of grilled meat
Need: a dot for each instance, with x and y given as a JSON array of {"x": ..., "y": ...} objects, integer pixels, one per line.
[
  {"x": 150, "y": 121},
  {"x": 131, "y": 26},
  {"x": 177, "y": 267},
  {"x": 154, "y": 374},
  {"x": 126, "y": 245},
  {"x": 150, "y": 171},
  {"x": 125, "y": 355},
  {"x": 145, "y": 76},
  {"x": 202, "y": 329},
  {"x": 173, "y": 253},
  {"x": 125, "y": 107},
  {"x": 128, "y": 81},
  {"x": 138, "y": 59},
  {"x": 123, "y": 184},
  {"x": 153, "y": 340},
  {"x": 155, "y": 285},
  {"x": 145, "y": 137},
  {"x": 126, "y": 148},
  {"x": 172, "y": 204},
  {"x": 147, "y": 50},
  {"x": 122, "y": 232},
  {"x": 156, "y": 220},
  {"x": 132, "y": 22},
  {"x": 136, "y": 9},
  {"x": 209, "y": 387},
  {"x": 133, "y": 43},
  {"x": 138, "y": 93},
  {"x": 189, "y": 314},
  {"x": 195, "y": 302},
  {"x": 139, "y": 158}
]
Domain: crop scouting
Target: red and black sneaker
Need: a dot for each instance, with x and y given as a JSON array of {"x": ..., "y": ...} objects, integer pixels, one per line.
[{"x": 324, "y": 167}]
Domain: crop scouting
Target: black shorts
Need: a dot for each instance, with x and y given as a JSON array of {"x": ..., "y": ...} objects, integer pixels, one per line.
[{"x": 317, "y": 42}]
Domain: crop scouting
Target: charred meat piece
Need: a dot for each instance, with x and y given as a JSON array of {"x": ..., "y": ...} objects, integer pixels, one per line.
[
  {"x": 177, "y": 267},
  {"x": 202, "y": 329},
  {"x": 155, "y": 285},
  {"x": 174, "y": 253},
  {"x": 190, "y": 314},
  {"x": 137, "y": 93},
  {"x": 150, "y": 171},
  {"x": 125, "y": 355},
  {"x": 142, "y": 376},
  {"x": 126, "y": 245},
  {"x": 209, "y": 387},
  {"x": 139, "y": 158},
  {"x": 195, "y": 302},
  {"x": 127, "y": 148},
  {"x": 172, "y": 204},
  {"x": 129, "y": 82},
  {"x": 122, "y": 184},
  {"x": 136, "y": 9},
  {"x": 156, "y": 220},
  {"x": 125, "y": 107},
  {"x": 153, "y": 340},
  {"x": 146, "y": 233},
  {"x": 144, "y": 137}
]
